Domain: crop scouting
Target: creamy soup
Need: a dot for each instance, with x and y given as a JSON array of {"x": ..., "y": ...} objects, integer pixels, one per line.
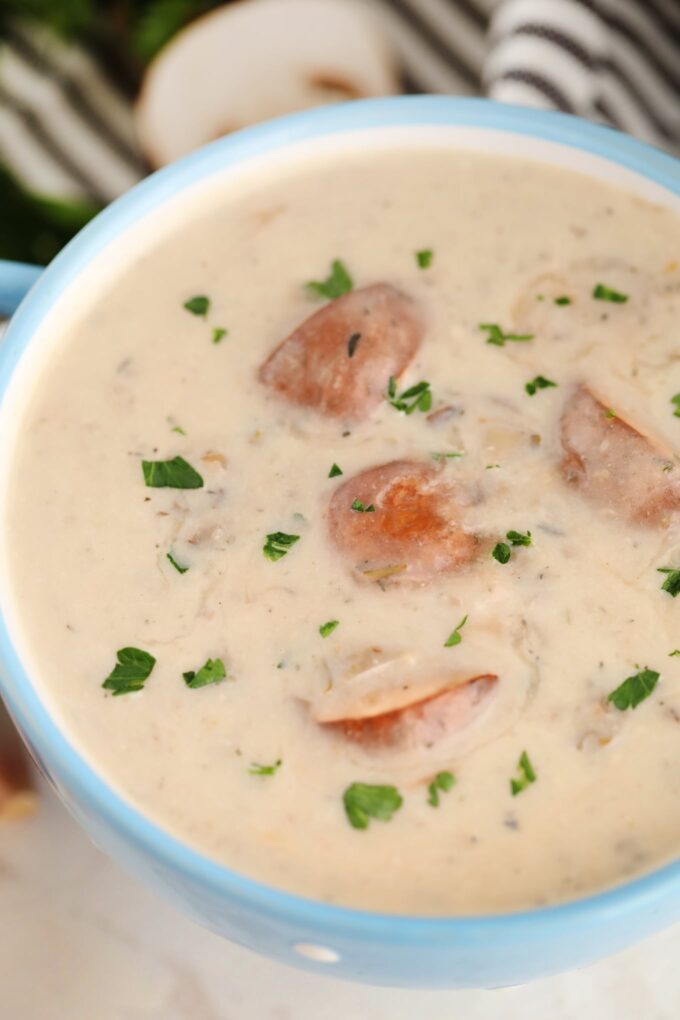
[{"x": 342, "y": 530}]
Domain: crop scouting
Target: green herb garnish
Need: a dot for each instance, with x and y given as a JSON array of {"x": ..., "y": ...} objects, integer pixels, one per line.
[
  {"x": 352, "y": 344},
  {"x": 424, "y": 258},
  {"x": 563, "y": 300},
  {"x": 527, "y": 775},
  {"x": 634, "y": 689},
  {"x": 363, "y": 802},
  {"x": 334, "y": 471},
  {"x": 171, "y": 474},
  {"x": 198, "y": 305},
  {"x": 420, "y": 397},
  {"x": 361, "y": 509},
  {"x": 672, "y": 582},
  {"x": 446, "y": 456},
  {"x": 676, "y": 651},
  {"x": 278, "y": 544},
  {"x": 131, "y": 671},
  {"x": 264, "y": 770},
  {"x": 610, "y": 413},
  {"x": 499, "y": 337},
  {"x": 517, "y": 538},
  {"x": 337, "y": 283},
  {"x": 539, "y": 382},
  {"x": 455, "y": 637},
  {"x": 178, "y": 428},
  {"x": 178, "y": 566},
  {"x": 501, "y": 552},
  {"x": 443, "y": 781},
  {"x": 210, "y": 673},
  {"x": 676, "y": 402},
  {"x": 603, "y": 293},
  {"x": 218, "y": 334},
  {"x": 327, "y": 628}
]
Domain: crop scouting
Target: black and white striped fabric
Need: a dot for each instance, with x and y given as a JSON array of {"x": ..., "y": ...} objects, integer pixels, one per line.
[{"x": 66, "y": 123}]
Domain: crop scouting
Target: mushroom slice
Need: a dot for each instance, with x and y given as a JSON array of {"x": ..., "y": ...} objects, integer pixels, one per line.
[
  {"x": 421, "y": 723},
  {"x": 615, "y": 464},
  {"x": 410, "y": 517},
  {"x": 339, "y": 360}
]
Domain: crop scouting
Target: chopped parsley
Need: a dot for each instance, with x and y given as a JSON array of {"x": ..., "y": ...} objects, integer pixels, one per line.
[
  {"x": 676, "y": 651},
  {"x": 603, "y": 293},
  {"x": 443, "y": 781},
  {"x": 327, "y": 628},
  {"x": 526, "y": 777},
  {"x": 352, "y": 344},
  {"x": 363, "y": 802},
  {"x": 131, "y": 671},
  {"x": 178, "y": 428},
  {"x": 672, "y": 582},
  {"x": 424, "y": 258},
  {"x": 178, "y": 566},
  {"x": 539, "y": 382},
  {"x": 420, "y": 397},
  {"x": 455, "y": 637},
  {"x": 634, "y": 689},
  {"x": 337, "y": 283},
  {"x": 212, "y": 672},
  {"x": 198, "y": 305},
  {"x": 676, "y": 402},
  {"x": 278, "y": 544},
  {"x": 563, "y": 300},
  {"x": 218, "y": 334},
  {"x": 501, "y": 552},
  {"x": 264, "y": 770},
  {"x": 171, "y": 474},
  {"x": 610, "y": 413},
  {"x": 446, "y": 456},
  {"x": 334, "y": 471},
  {"x": 517, "y": 538},
  {"x": 361, "y": 509},
  {"x": 499, "y": 337}
]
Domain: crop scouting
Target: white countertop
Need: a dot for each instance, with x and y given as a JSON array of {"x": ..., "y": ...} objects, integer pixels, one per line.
[{"x": 82, "y": 941}]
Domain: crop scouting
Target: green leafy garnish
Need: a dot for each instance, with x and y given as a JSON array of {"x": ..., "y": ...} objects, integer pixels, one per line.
[
  {"x": 676, "y": 651},
  {"x": 334, "y": 471},
  {"x": 676, "y": 402},
  {"x": 420, "y": 397},
  {"x": 424, "y": 258},
  {"x": 363, "y": 802},
  {"x": 210, "y": 673},
  {"x": 178, "y": 566},
  {"x": 610, "y": 413},
  {"x": 501, "y": 552},
  {"x": 264, "y": 770},
  {"x": 178, "y": 428},
  {"x": 517, "y": 538},
  {"x": 563, "y": 300},
  {"x": 446, "y": 456},
  {"x": 539, "y": 382},
  {"x": 352, "y": 344},
  {"x": 361, "y": 509},
  {"x": 327, "y": 628},
  {"x": 603, "y": 293},
  {"x": 131, "y": 671},
  {"x": 527, "y": 775},
  {"x": 198, "y": 305},
  {"x": 337, "y": 283},
  {"x": 278, "y": 544},
  {"x": 499, "y": 337},
  {"x": 443, "y": 781},
  {"x": 455, "y": 637},
  {"x": 218, "y": 334},
  {"x": 171, "y": 474},
  {"x": 672, "y": 582},
  {"x": 634, "y": 689}
]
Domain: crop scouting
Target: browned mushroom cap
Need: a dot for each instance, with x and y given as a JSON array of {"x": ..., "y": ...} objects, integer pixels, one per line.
[
  {"x": 421, "y": 723},
  {"x": 414, "y": 531},
  {"x": 614, "y": 464},
  {"x": 339, "y": 360}
]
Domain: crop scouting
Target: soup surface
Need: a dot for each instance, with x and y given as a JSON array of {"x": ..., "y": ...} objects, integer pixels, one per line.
[{"x": 398, "y": 629}]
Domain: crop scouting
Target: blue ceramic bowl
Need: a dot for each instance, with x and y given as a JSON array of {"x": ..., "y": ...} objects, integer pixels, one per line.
[{"x": 450, "y": 952}]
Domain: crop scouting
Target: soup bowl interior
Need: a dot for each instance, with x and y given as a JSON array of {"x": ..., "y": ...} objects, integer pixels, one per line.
[{"x": 485, "y": 951}]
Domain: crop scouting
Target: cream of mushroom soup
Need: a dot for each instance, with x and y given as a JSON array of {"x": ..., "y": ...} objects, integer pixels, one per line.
[{"x": 342, "y": 536}]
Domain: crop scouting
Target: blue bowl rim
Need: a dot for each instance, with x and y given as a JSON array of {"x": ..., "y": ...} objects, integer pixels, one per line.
[{"x": 320, "y": 919}]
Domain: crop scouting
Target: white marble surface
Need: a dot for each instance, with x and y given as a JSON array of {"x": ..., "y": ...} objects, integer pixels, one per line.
[{"x": 79, "y": 940}]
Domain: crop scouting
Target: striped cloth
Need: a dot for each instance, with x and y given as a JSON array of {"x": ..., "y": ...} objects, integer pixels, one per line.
[{"x": 66, "y": 123}]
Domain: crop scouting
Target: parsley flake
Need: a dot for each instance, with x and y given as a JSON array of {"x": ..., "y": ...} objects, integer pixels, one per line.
[
  {"x": 424, "y": 258},
  {"x": 603, "y": 293},
  {"x": 334, "y": 471},
  {"x": 527, "y": 775},
  {"x": 539, "y": 382},
  {"x": 420, "y": 397},
  {"x": 443, "y": 781},
  {"x": 212, "y": 672},
  {"x": 672, "y": 582},
  {"x": 218, "y": 334},
  {"x": 361, "y": 509},
  {"x": 171, "y": 474},
  {"x": 363, "y": 802},
  {"x": 498, "y": 337},
  {"x": 327, "y": 628},
  {"x": 501, "y": 552},
  {"x": 610, "y": 413},
  {"x": 337, "y": 283},
  {"x": 198, "y": 305},
  {"x": 131, "y": 671},
  {"x": 179, "y": 429},
  {"x": 563, "y": 300},
  {"x": 278, "y": 544},
  {"x": 455, "y": 637},
  {"x": 178, "y": 566},
  {"x": 676, "y": 651},
  {"x": 517, "y": 538},
  {"x": 634, "y": 689},
  {"x": 453, "y": 455},
  {"x": 676, "y": 402},
  {"x": 264, "y": 770}
]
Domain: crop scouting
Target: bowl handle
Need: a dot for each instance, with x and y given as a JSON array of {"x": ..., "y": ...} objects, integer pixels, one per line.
[{"x": 16, "y": 279}]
